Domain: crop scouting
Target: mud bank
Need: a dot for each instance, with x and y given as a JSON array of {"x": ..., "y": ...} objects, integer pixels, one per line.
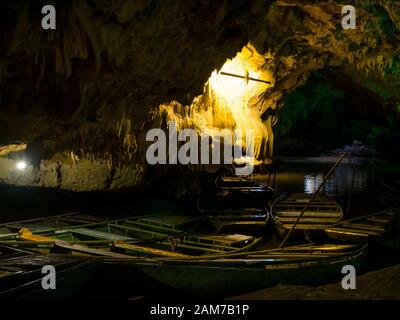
[{"x": 383, "y": 284}]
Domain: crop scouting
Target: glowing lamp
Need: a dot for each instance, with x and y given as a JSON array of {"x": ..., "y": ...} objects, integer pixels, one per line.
[{"x": 21, "y": 165}]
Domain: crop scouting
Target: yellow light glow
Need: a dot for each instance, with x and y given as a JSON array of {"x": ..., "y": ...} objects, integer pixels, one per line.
[
  {"x": 231, "y": 103},
  {"x": 232, "y": 96}
]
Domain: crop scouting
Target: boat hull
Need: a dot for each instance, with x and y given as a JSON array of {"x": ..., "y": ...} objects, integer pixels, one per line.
[
  {"x": 69, "y": 280},
  {"x": 212, "y": 281}
]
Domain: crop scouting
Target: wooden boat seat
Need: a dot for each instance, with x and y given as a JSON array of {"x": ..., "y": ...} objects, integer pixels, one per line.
[
  {"x": 380, "y": 220},
  {"x": 230, "y": 239},
  {"x": 148, "y": 250},
  {"x": 308, "y": 214},
  {"x": 328, "y": 220},
  {"x": 90, "y": 251},
  {"x": 354, "y": 232},
  {"x": 168, "y": 221},
  {"x": 364, "y": 226},
  {"x": 302, "y": 204},
  {"x": 99, "y": 234},
  {"x": 304, "y": 226},
  {"x": 244, "y": 223}
]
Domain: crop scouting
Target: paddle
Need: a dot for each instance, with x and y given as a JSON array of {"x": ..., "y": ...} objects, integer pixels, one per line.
[{"x": 287, "y": 237}]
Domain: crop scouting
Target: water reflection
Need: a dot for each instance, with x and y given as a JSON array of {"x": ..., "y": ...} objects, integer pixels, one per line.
[{"x": 345, "y": 179}]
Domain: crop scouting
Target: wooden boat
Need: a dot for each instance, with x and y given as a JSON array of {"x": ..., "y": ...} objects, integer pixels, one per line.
[
  {"x": 10, "y": 252},
  {"x": 322, "y": 213},
  {"x": 145, "y": 236},
  {"x": 361, "y": 229},
  {"x": 244, "y": 221},
  {"x": 236, "y": 204},
  {"x": 213, "y": 277},
  {"x": 233, "y": 192},
  {"x": 21, "y": 275},
  {"x": 47, "y": 223}
]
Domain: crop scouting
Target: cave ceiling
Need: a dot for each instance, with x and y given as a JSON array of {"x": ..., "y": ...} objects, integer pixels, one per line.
[{"x": 87, "y": 92}]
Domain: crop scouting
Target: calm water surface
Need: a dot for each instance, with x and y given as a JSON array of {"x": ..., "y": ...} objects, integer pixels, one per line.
[{"x": 355, "y": 187}]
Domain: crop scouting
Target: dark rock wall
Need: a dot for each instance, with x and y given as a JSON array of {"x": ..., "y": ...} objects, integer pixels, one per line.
[{"x": 94, "y": 82}]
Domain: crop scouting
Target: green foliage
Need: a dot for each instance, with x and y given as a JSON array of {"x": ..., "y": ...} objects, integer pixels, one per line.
[
  {"x": 310, "y": 108},
  {"x": 317, "y": 113},
  {"x": 386, "y": 25},
  {"x": 378, "y": 89},
  {"x": 394, "y": 68}
]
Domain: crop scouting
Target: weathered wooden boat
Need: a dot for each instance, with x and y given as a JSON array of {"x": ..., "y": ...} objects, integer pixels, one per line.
[
  {"x": 361, "y": 229},
  {"x": 145, "y": 236},
  {"x": 233, "y": 192},
  {"x": 236, "y": 204},
  {"x": 10, "y": 252},
  {"x": 21, "y": 274},
  {"x": 322, "y": 212},
  {"x": 244, "y": 221},
  {"x": 48, "y": 223},
  {"x": 217, "y": 277}
]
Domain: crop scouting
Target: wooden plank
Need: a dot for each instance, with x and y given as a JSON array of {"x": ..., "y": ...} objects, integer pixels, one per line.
[
  {"x": 314, "y": 203},
  {"x": 148, "y": 250},
  {"x": 99, "y": 234},
  {"x": 350, "y": 231},
  {"x": 302, "y": 204},
  {"x": 379, "y": 220},
  {"x": 244, "y": 223},
  {"x": 308, "y": 214},
  {"x": 302, "y": 226},
  {"x": 363, "y": 226},
  {"x": 224, "y": 239},
  {"x": 308, "y": 220},
  {"x": 90, "y": 251},
  {"x": 292, "y": 255},
  {"x": 173, "y": 221}
]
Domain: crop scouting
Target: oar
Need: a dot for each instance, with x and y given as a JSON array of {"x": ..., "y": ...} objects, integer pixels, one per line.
[{"x": 311, "y": 199}]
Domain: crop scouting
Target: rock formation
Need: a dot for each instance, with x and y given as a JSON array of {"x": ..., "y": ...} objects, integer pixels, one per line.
[{"x": 83, "y": 96}]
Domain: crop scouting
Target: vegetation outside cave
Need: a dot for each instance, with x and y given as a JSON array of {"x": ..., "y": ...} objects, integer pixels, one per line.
[{"x": 320, "y": 116}]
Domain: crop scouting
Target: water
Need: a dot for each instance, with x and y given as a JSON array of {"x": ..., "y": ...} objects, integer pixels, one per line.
[{"x": 355, "y": 187}]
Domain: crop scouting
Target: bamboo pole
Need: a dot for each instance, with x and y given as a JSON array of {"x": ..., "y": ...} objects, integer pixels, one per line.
[
  {"x": 311, "y": 199},
  {"x": 351, "y": 191},
  {"x": 244, "y": 77}
]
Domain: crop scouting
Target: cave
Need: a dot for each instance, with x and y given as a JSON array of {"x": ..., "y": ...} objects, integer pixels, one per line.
[{"x": 202, "y": 148}]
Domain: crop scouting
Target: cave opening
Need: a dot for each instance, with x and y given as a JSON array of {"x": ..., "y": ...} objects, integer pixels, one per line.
[{"x": 339, "y": 110}]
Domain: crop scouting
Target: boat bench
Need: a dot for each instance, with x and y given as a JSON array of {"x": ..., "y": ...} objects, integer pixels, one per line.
[{"x": 99, "y": 234}]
